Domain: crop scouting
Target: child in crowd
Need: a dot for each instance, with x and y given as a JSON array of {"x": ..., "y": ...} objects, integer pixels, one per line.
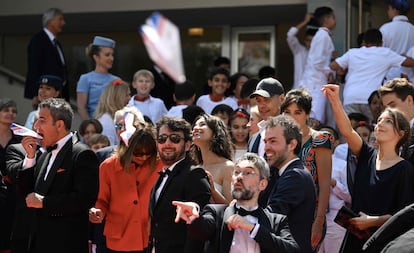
[
  {"x": 366, "y": 67},
  {"x": 300, "y": 51},
  {"x": 115, "y": 96},
  {"x": 143, "y": 83},
  {"x": 97, "y": 141},
  {"x": 317, "y": 69},
  {"x": 237, "y": 81},
  {"x": 50, "y": 87},
  {"x": 248, "y": 88},
  {"x": 191, "y": 112},
  {"x": 223, "y": 112},
  {"x": 239, "y": 131},
  {"x": 184, "y": 95},
  {"x": 89, "y": 127},
  {"x": 219, "y": 83}
]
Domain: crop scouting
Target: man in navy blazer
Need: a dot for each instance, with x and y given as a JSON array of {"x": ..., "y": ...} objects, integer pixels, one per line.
[
  {"x": 293, "y": 192},
  {"x": 64, "y": 182},
  {"x": 179, "y": 181},
  {"x": 242, "y": 226},
  {"x": 45, "y": 56}
]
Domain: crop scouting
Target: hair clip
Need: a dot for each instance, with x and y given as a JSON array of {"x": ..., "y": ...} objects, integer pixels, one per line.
[
  {"x": 241, "y": 114},
  {"x": 117, "y": 82}
]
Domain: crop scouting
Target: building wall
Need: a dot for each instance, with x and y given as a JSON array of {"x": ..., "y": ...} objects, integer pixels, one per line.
[{"x": 19, "y": 7}]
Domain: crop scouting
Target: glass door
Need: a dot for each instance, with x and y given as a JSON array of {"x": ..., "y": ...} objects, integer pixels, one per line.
[{"x": 252, "y": 48}]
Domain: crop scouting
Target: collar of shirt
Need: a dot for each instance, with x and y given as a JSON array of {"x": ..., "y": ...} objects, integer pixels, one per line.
[
  {"x": 246, "y": 208},
  {"x": 172, "y": 166},
  {"x": 49, "y": 34},
  {"x": 326, "y": 30},
  {"x": 262, "y": 125},
  {"x": 60, "y": 143},
  {"x": 400, "y": 18},
  {"x": 281, "y": 170},
  {"x": 412, "y": 123}
]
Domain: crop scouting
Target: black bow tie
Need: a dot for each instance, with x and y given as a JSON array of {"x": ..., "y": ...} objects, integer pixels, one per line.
[
  {"x": 163, "y": 173},
  {"x": 243, "y": 212},
  {"x": 51, "y": 148}
]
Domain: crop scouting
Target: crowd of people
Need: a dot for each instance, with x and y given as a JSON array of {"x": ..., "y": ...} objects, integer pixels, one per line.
[{"x": 246, "y": 167}]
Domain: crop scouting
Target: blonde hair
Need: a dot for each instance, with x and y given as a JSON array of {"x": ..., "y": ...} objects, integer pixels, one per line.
[
  {"x": 110, "y": 101},
  {"x": 144, "y": 73}
]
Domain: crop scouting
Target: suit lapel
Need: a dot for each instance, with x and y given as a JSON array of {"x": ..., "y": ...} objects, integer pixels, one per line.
[
  {"x": 67, "y": 148},
  {"x": 226, "y": 234},
  {"x": 44, "y": 185}
]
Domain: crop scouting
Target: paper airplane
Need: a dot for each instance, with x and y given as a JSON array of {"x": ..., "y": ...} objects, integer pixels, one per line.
[{"x": 162, "y": 40}]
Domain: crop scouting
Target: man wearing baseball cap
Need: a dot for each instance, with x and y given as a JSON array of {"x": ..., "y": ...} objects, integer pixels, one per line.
[
  {"x": 269, "y": 95},
  {"x": 49, "y": 86}
]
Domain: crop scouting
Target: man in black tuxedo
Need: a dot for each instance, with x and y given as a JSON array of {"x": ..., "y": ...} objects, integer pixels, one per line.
[
  {"x": 45, "y": 55},
  {"x": 178, "y": 181},
  {"x": 242, "y": 225},
  {"x": 64, "y": 182},
  {"x": 292, "y": 192}
]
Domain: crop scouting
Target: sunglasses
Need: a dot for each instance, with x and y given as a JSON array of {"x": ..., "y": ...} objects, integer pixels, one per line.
[
  {"x": 118, "y": 126},
  {"x": 174, "y": 138}
]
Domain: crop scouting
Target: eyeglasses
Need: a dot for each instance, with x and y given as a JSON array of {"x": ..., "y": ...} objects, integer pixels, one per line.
[
  {"x": 118, "y": 126},
  {"x": 174, "y": 138},
  {"x": 248, "y": 173}
]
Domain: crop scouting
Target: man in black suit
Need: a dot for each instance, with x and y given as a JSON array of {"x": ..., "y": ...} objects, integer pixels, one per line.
[
  {"x": 178, "y": 181},
  {"x": 292, "y": 193},
  {"x": 64, "y": 182},
  {"x": 243, "y": 225},
  {"x": 45, "y": 55}
]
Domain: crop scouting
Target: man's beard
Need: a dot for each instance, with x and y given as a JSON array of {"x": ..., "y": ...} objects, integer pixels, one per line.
[
  {"x": 242, "y": 194},
  {"x": 172, "y": 157}
]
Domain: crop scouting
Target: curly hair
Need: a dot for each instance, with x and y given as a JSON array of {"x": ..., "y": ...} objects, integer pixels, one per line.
[{"x": 220, "y": 143}]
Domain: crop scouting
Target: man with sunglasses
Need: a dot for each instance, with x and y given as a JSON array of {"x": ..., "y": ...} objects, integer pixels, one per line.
[{"x": 178, "y": 181}]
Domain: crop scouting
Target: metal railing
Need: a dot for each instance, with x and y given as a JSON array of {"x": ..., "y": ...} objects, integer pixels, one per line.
[{"x": 12, "y": 76}]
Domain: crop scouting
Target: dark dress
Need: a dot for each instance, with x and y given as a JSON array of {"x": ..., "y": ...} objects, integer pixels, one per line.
[{"x": 378, "y": 192}]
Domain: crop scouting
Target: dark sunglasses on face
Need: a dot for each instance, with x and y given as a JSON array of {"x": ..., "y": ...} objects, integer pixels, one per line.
[
  {"x": 118, "y": 126},
  {"x": 174, "y": 138}
]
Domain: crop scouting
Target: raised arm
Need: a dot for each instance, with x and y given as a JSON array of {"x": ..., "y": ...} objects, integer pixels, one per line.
[{"x": 354, "y": 141}]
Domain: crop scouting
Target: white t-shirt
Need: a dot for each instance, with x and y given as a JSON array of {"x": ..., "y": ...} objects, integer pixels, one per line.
[
  {"x": 154, "y": 108},
  {"x": 317, "y": 65},
  {"x": 300, "y": 54},
  {"x": 367, "y": 67},
  {"x": 208, "y": 105},
  {"x": 398, "y": 35},
  {"x": 176, "y": 111}
]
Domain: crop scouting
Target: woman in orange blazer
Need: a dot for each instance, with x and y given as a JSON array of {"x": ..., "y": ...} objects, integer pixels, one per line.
[{"x": 125, "y": 182}]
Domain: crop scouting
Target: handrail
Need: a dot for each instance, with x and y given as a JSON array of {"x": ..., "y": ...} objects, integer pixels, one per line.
[{"x": 12, "y": 76}]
